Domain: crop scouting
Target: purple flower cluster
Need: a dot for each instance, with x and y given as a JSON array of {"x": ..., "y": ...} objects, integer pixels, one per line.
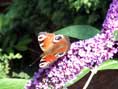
[
  {"x": 86, "y": 53},
  {"x": 93, "y": 51}
]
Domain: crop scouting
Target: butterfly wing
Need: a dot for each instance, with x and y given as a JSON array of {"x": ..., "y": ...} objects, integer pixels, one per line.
[
  {"x": 45, "y": 41},
  {"x": 61, "y": 46}
]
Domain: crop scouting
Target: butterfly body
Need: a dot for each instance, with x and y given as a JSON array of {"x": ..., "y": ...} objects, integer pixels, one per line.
[{"x": 53, "y": 47}]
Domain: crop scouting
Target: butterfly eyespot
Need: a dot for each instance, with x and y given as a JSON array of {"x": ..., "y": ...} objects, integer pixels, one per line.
[
  {"x": 41, "y": 37},
  {"x": 57, "y": 38},
  {"x": 44, "y": 64},
  {"x": 60, "y": 54}
]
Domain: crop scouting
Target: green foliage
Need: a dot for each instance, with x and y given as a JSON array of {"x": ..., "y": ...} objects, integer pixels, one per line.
[
  {"x": 109, "y": 65},
  {"x": 21, "y": 75},
  {"x": 27, "y": 17},
  {"x": 11, "y": 42},
  {"x": 8, "y": 83},
  {"x": 79, "y": 31},
  {"x": 22, "y": 44},
  {"x": 6, "y": 22},
  {"x": 88, "y": 5},
  {"x": 11, "y": 46},
  {"x": 115, "y": 34},
  {"x": 4, "y": 62},
  {"x": 47, "y": 15},
  {"x": 89, "y": 11}
]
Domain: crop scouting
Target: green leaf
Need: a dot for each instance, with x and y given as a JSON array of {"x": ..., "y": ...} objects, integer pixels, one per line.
[
  {"x": 21, "y": 47},
  {"x": 8, "y": 83},
  {"x": 13, "y": 39},
  {"x": 5, "y": 42},
  {"x": 115, "y": 34},
  {"x": 109, "y": 65},
  {"x": 13, "y": 56},
  {"x": 22, "y": 75},
  {"x": 79, "y": 31},
  {"x": 57, "y": 17},
  {"x": 1, "y": 21},
  {"x": 22, "y": 44},
  {"x": 78, "y": 77},
  {"x": 25, "y": 40},
  {"x": 81, "y": 19}
]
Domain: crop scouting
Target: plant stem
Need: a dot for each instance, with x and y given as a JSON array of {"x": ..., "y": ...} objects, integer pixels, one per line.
[{"x": 93, "y": 72}]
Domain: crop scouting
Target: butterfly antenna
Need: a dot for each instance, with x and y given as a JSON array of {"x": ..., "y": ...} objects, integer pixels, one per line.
[
  {"x": 34, "y": 61},
  {"x": 34, "y": 51}
]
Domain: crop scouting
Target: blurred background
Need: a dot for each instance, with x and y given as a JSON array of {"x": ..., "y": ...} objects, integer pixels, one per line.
[{"x": 22, "y": 20}]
